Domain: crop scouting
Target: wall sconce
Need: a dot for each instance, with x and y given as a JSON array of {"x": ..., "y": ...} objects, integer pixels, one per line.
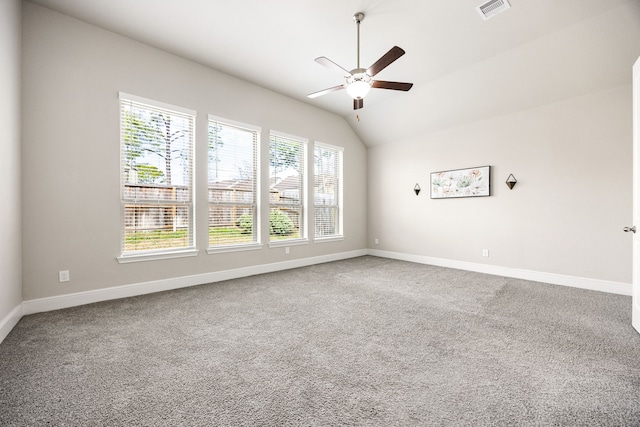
[
  {"x": 511, "y": 181},
  {"x": 417, "y": 189}
]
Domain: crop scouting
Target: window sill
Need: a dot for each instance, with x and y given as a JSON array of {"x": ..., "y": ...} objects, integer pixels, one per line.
[
  {"x": 234, "y": 248},
  {"x": 153, "y": 256},
  {"x": 328, "y": 239},
  {"x": 292, "y": 242}
]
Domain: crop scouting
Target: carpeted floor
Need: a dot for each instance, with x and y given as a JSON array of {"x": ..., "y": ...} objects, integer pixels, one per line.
[{"x": 367, "y": 341}]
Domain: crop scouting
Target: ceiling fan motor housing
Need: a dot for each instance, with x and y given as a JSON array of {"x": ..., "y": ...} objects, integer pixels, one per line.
[{"x": 358, "y": 75}]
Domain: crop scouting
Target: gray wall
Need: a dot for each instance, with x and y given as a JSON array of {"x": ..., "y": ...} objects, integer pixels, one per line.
[
  {"x": 72, "y": 74},
  {"x": 572, "y": 160},
  {"x": 10, "y": 245}
]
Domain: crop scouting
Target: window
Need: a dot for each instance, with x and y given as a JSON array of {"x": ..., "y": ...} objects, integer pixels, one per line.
[
  {"x": 233, "y": 185},
  {"x": 327, "y": 190},
  {"x": 287, "y": 160},
  {"x": 157, "y": 177}
]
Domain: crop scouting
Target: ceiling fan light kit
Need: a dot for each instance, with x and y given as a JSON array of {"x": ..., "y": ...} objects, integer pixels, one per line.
[
  {"x": 359, "y": 81},
  {"x": 358, "y": 88}
]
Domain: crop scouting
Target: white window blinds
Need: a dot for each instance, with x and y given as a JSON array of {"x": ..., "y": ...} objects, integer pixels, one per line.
[
  {"x": 327, "y": 190},
  {"x": 233, "y": 184},
  {"x": 156, "y": 175},
  {"x": 287, "y": 177}
]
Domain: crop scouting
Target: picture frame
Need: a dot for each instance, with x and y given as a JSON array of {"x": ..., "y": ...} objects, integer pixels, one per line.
[{"x": 457, "y": 183}]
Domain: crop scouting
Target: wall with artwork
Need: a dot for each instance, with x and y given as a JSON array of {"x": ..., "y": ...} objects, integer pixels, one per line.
[{"x": 572, "y": 160}]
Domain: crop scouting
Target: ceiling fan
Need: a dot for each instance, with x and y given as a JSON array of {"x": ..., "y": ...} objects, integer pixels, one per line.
[{"x": 360, "y": 80}]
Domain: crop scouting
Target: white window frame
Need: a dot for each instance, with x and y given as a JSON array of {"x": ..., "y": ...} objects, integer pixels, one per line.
[
  {"x": 257, "y": 244},
  {"x": 165, "y": 253},
  {"x": 339, "y": 234},
  {"x": 304, "y": 216}
]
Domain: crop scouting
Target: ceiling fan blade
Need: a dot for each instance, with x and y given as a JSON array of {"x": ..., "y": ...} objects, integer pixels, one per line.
[
  {"x": 386, "y": 59},
  {"x": 332, "y": 66},
  {"x": 325, "y": 91},
  {"x": 358, "y": 103},
  {"x": 381, "y": 84}
]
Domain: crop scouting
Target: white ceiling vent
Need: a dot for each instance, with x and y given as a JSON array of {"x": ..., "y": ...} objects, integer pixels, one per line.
[{"x": 492, "y": 8}]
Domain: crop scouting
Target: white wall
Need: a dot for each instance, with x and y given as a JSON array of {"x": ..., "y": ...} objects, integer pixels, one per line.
[
  {"x": 572, "y": 160},
  {"x": 72, "y": 74},
  {"x": 10, "y": 246}
]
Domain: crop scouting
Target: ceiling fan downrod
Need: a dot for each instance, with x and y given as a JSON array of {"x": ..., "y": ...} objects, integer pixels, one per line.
[
  {"x": 358, "y": 17},
  {"x": 359, "y": 82}
]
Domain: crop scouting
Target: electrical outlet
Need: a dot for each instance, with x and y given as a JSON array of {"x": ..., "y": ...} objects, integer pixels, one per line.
[
  {"x": 485, "y": 252},
  {"x": 63, "y": 276},
  {"x": 375, "y": 241}
]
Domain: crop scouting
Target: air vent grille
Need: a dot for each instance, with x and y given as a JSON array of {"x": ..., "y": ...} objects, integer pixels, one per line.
[{"x": 492, "y": 8}]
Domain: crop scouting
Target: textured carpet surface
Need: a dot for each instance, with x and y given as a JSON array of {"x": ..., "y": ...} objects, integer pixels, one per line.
[{"x": 366, "y": 341}]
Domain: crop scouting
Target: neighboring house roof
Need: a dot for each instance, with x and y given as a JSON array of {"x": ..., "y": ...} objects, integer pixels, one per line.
[
  {"x": 233, "y": 184},
  {"x": 281, "y": 184}
]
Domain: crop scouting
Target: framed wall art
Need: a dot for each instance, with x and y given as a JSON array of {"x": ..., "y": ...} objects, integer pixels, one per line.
[{"x": 471, "y": 182}]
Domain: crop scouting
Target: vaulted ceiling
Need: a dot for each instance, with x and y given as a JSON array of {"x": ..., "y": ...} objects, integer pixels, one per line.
[{"x": 463, "y": 67}]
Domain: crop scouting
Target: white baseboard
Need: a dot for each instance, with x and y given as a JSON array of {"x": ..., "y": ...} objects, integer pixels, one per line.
[
  {"x": 10, "y": 321},
  {"x": 105, "y": 294},
  {"x": 81, "y": 298},
  {"x": 536, "y": 276}
]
